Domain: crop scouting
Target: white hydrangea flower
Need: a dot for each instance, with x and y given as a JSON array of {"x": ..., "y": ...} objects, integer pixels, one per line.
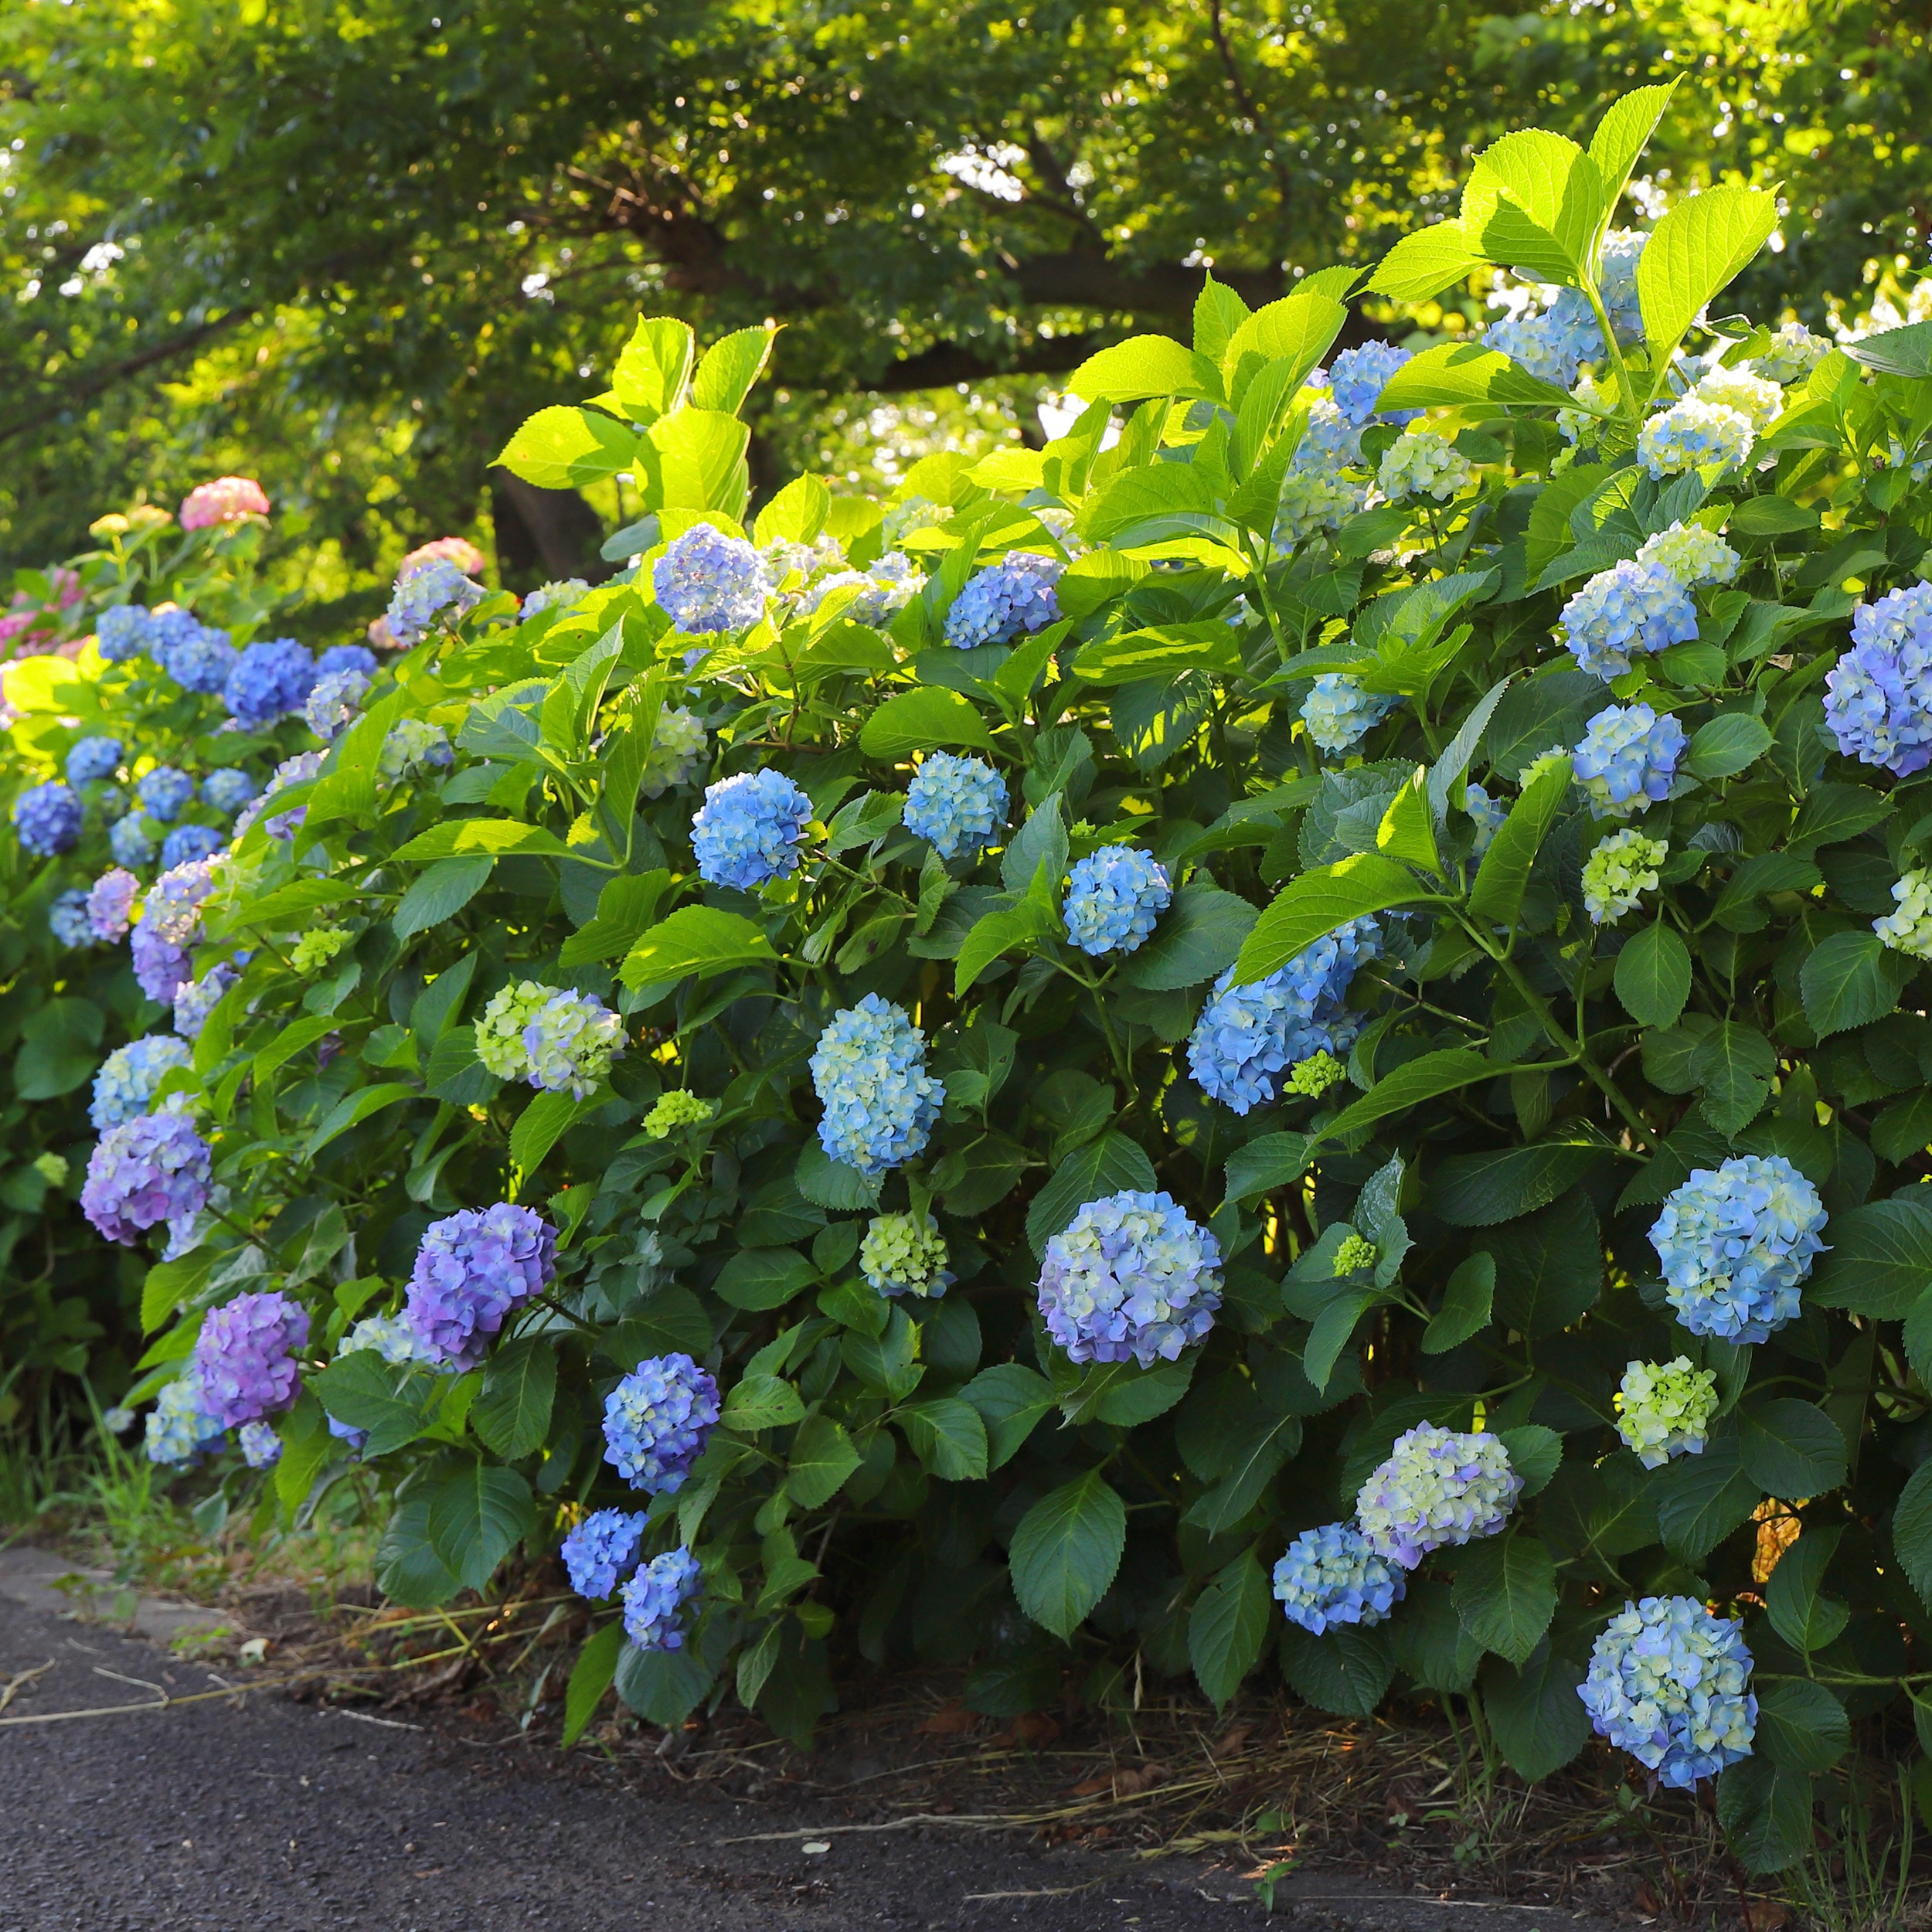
[
  {"x": 1691, "y": 554},
  {"x": 1420, "y": 463},
  {"x": 1618, "y": 869},
  {"x": 1910, "y": 929}
]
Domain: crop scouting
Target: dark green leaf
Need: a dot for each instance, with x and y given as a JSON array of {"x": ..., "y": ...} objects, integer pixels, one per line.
[
  {"x": 440, "y": 893},
  {"x": 590, "y": 1676},
  {"x": 759, "y": 1278},
  {"x": 948, "y": 1437},
  {"x": 1090, "y": 1173},
  {"x": 1467, "y": 1299},
  {"x": 1066, "y": 1552},
  {"x": 1847, "y": 981},
  {"x": 822, "y": 1456},
  {"x": 511, "y": 1414},
  {"x": 1200, "y": 936},
  {"x": 478, "y": 1514},
  {"x": 1478, "y": 1190},
  {"x": 1227, "y": 1627},
  {"x": 408, "y": 1571},
  {"x": 1802, "y": 1727},
  {"x": 1654, "y": 976},
  {"x": 1506, "y": 1593},
  {"x": 1879, "y": 1261},
  {"x": 1791, "y": 1449},
  {"x": 1549, "y": 1265},
  {"x": 1701, "y": 1499},
  {"x": 1734, "y": 1064},
  {"x": 1346, "y": 1671},
  {"x": 1539, "y": 1722},
  {"x": 1766, "y": 1808}
]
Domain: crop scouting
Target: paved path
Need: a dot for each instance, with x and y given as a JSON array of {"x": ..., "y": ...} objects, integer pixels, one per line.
[{"x": 228, "y": 1818}]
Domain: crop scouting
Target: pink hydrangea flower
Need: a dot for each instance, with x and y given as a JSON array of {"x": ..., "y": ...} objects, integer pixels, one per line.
[
  {"x": 459, "y": 550},
  {"x": 226, "y": 500}
]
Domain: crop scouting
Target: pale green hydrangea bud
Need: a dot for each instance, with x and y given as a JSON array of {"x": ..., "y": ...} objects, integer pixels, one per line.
[
  {"x": 1548, "y": 761},
  {"x": 1315, "y": 1075},
  {"x": 499, "y": 1033},
  {"x": 412, "y": 746},
  {"x": 1354, "y": 1253},
  {"x": 52, "y": 1169},
  {"x": 316, "y": 948},
  {"x": 1315, "y": 500},
  {"x": 904, "y": 1255},
  {"x": 677, "y": 749},
  {"x": 676, "y": 1109},
  {"x": 1691, "y": 554},
  {"x": 1910, "y": 929},
  {"x": 1750, "y": 395},
  {"x": 1617, "y": 871},
  {"x": 1420, "y": 463},
  {"x": 1664, "y": 1410},
  {"x": 1579, "y": 425}
]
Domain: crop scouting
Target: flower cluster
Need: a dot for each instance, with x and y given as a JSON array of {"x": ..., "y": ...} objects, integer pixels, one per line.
[
  {"x": 1313, "y": 1076},
  {"x": 1794, "y": 353},
  {"x": 186, "y": 843},
  {"x": 179, "y": 1426},
  {"x": 1630, "y": 607},
  {"x": 195, "y": 999},
  {"x": 1331, "y": 1575},
  {"x": 679, "y": 1108},
  {"x": 570, "y": 1042},
  {"x": 226, "y": 500},
  {"x": 904, "y": 1255},
  {"x": 153, "y": 1168},
  {"x": 1356, "y": 1254},
  {"x": 1006, "y": 600},
  {"x": 599, "y": 1549},
  {"x": 1488, "y": 815},
  {"x": 885, "y": 587},
  {"x": 1339, "y": 709},
  {"x": 67, "y": 919},
  {"x": 163, "y": 792},
  {"x": 706, "y": 581},
  {"x": 1358, "y": 376},
  {"x": 331, "y": 705},
  {"x": 1131, "y": 1277},
  {"x": 92, "y": 758},
  {"x": 1909, "y": 929},
  {"x": 198, "y": 658},
  {"x": 245, "y": 1355},
  {"x": 458, "y": 550},
  {"x": 1420, "y": 463},
  {"x": 269, "y": 680},
  {"x": 749, "y": 829},
  {"x": 657, "y": 1421},
  {"x": 1669, "y": 1683},
  {"x": 439, "y": 587},
  {"x": 1691, "y": 554},
  {"x": 1878, "y": 696},
  {"x": 413, "y": 746},
  {"x": 1439, "y": 1487},
  {"x": 1314, "y": 499},
  {"x": 261, "y": 1447},
  {"x": 868, "y": 1070},
  {"x": 170, "y": 923},
  {"x": 473, "y": 1269},
  {"x": 677, "y": 742},
  {"x": 1694, "y": 434},
  {"x": 1618, "y": 869},
  {"x": 1114, "y": 896},
  {"x": 559, "y": 597},
  {"x": 1628, "y": 759},
  {"x": 49, "y": 818},
  {"x": 1735, "y": 1241},
  {"x": 654, "y": 1600},
  {"x": 125, "y": 1084},
  {"x": 1756, "y": 398},
  {"x": 290, "y": 773},
  {"x": 123, "y": 631},
  {"x": 1664, "y": 1410},
  {"x": 956, "y": 805},
  {"x": 1552, "y": 345}
]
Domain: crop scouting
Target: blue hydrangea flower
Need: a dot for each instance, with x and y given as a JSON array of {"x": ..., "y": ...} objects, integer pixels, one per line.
[
  {"x": 749, "y": 829},
  {"x": 1338, "y": 710},
  {"x": 657, "y": 1421},
  {"x": 868, "y": 1070},
  {"x": 179, "y": 1426},
  {"x": 151, "y": 1169},
  {"x": 885, "y": 587},
  {"x": 1438, "y": 1486},
  {"x": 125, "y": 1084},
  {"x": 93, "y": 758},
  {"x": 346, "y": 657},
  {"x": 706, "y": 581},
  {"x": 228, "y": 790},
  {"x": 1616, "y": 283},
  {"x": 1330, "y": 1576},
  {"x": 1113, "y": 896},
  {"x": 261, "y": 1447},
  {"x": 1014, "y": 595},
  {"x": 245, "y": 1355},
  {"x": 389, "y": 1336},
  {"x": 48, "y": 818},
  {"x": 130, "y": 841},
  {"x": 1329, "y": 442},
  {"x": 195, "y": 999},
  {"x": 67, "y": 918},
  {"x": 1130, "y": 1276},
  {"x": 187, "y": 843},
  {"x": 121, "y": 631},
  {"x": 1487, "y": 813},
  {"x": 1358, "y": 376},
  {"x": 1694, "y": 433},
  {"x": 163, "y": 792},
  {"x": 1246, "y": 1034},
  {"x": 199, "y": 659},
  {"x": 1670, "y": 1683},
  {"x": 1735, "y": 1241},
  {"x": 437, "y": 587},
  {"x": 269, "y": 680},
  {"x": 331, "y": 708},
  {"x": 599, "y": 1549},
  {"x": 570, "y": 1042},
  {"x": 1630, "y": 607},
  {"x": 290, "y": 773},
  {"x": 1628, "y": 759},
  {"x": 1553, "y": 345},
  {"x": 1878, "y": 699},
  {"x": 956, "y": 804},
  {"x": 473, "y": 1269},
  {"x": 654, "y": 1600}
]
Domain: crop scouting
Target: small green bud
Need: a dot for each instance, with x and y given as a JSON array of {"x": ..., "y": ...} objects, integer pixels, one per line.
[
  {"x": 1354, "y": 1255},
  {"x": 676, "y": 1109},
  {"x": 1315, "y": 1075}
]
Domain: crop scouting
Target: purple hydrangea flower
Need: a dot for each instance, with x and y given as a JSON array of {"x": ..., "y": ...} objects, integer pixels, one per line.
[
  {"x": 170, "y": 923},
  {"x": 748, "y": 831},
  {"x": 125, "y": 1083},
  {"x": 195, "y": 999},
  {"x": 1015, "y": 595},
  {"x": 331, "y": 707},
  {"x": 67, "y": 919},
  {"x": 179, "y": 1426},
  {"x": 654, "y": 1600},
  {"x": 600, "y": 1549},
  {"x": 92, "y": 758},
  {"x": 48, "y": 818},
  {"x": 1438, "y": 1487},
  {"x": 291, "y": 772},
  {"x": 269, "y": 680},
  {"x": 440, "y": 586},
  {"x": 245, "y": 1355},
  {"x": 472, "y": 1270},
  {"x": 657, "y": 1420},
  {"x": 1132, "y": 1277},
  {"x": 148, "y": 1170},
  {"x": 261, "y": 1447}
]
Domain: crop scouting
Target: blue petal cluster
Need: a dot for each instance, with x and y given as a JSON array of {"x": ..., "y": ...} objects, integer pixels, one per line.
[
  {"x": 125, "y": 1084},
  {"x": 198, "y": 658},
  {"x": 1358, "y": 376},
  {"x": 706, "y": 581},
  {"x": 163, "y": 792},
  {"x": 121, "y": 631},
  {"x": 868, "y": 1070},
  {"x": 1670, "y": 1683},
  {"x": 1630, "y": 607},
  {"x": 956, "y": 804},
  {"x": 1553, "y": 345},
  {"x": 1015, "y": 595},
  {"x": 195, "y": 999},
  {"x": 1130, "y": 1276},
  {"x": 1628, "y": 759},
  {"x": 186, "y": 843},
  {"x": 654, "y": 1600},
  {"x": 1330, "y": 1576},
  {"x": 438, "y": 587},
  {"x": 331, "y": 708},
  {"x": 748, "y": 831},
  {"x": 1735, "y": 1241},
  {"x": 67, "y": 918},
  {"x": 261, "y": 1447},
  {"x": 229, "y": 789},
  {"x": 130, "y": 841},
  {"x": 1246, "y": 1034},
  {"x": 269, "y": 680},
  {"x": 473, "y": 1269},
  {"x": 1438, "y": 1486},
  {"x": 657, "y": 1421},
  {"x": 346, "y": 657},
  {"x": 93, "y": 758},
  {"x": 1113, "y": 896},
  {"x": 48, "y": 818},
  {"x": 1878, "y": 697},
  {"x": 110, "y": 904},
  {"x": 179, "y": 1426},
  {"x": 1338, "y": 709},
  {"x": 599, "y": 1549}
]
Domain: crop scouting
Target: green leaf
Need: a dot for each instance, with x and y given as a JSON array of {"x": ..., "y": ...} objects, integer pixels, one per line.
[
  {"x": 728, "y": 369},
  {"x": 1201, "y": 935},
  {"x": 591, "y": 1677},
  {"x": 1800, "y": 1613},
  {"x": 1029, "y": 921},
  {"x": 948, "y": 1437},
  {"x": 695, "y": 939},
  {"x": 1692, "y": 255},
  {"x": 1011, "y": 1400},
  {"x": 1701, "y": 1499},
  {"x": 1090, "y": 1173},
  {"x": 1066, "y": 1552},
  {"x": 1041, "y": 841},
  {"x": 540, "y": 1126},
  {"x": 1538, "y": 1720},
  {"x": 60, "y": 1049},
  {"x": 458, "y": 838},
  {"x": 762, "y": 1402},
  {"x": 1734, "y": 1064},
  {"x": 511, "y": 1414},
  {"x": 1421, "y": 266},
  {"x": 923, "y": 719},
  {"x": 653, "y": 367},
  {"x": 1267, "y": 1162},
  {"x": 1144, "y": 366},
  {"x": 1848, "y": 980},
  {"x": 1456, "y": 374},
  {"x": 1879, "y": 1261},
  {"x": 1535, "y": 200},
  {"x": 1497, "y": 895},
  {"x": 828, "y": 1183},
  {"x": 169, "y": 1284},
  {"x": 1802, "y": 1727},
  {"x": 1410, "y": 1084},
  {"x": 1903, "y": 1130},
  {"x": 1791, "y": 1449},
  {"x": 1653, "y": 976},
  {"x": 1333, "y": 1329},
  {"x": 440, "y": 893},
  {"x": 756, "y": 1279},
  {"x": 390, "y": 1403},
  {"x": 408, "y": 1571},
  {"x": 695, "y": 460},
  {"x": 1727, "y": 745},
  {"x": 478, "y": 1514},
  {"x": 563, "y": 449},
  {"x": 1312, "y": 906},
  {"x": 1346, "y": 1671},
  {"x": 673, "y": 1320},
  {"x": 1408, "y": 831},
  {"x": 1619, "y": 138},
  {"x": 1766, "y": 1809},
  {"x": 1466, "y": 1302},
  {"x": 1506, "y": 1593},
  {"x": 664, "y": 1687},
  {"x": 1129, "y": 656},
  {"x": 1912, "y": 1529},
  {"x": 1906, "y": 352},
  {"x": 355, "y": 1107},
  {"x": 1293, "y": 333},
  {"x": 1535, "y": 1454},
  {"x": 625, "y": 908},
  {"x": 822, "y": 1458},
  {"x": 1227, "y": 1627},
  {"x": 1478, "y": 1190}
]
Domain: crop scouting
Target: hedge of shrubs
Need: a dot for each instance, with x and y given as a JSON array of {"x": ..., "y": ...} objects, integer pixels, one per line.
[{"x": 1289, "y": 1029}]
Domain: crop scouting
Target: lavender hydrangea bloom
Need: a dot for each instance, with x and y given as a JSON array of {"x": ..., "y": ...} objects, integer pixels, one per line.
[
  {"x": 121, "y": 631},
  {"x": 439, "y": 587},
  {"x": 1878, "y": 695},
  {"x": 129, "y": 841},
  {"x": 228, "y": 790},
  {"x": 1330, "y": 1576},
  {"x": 1246, "y": 1034},
  {"x": 657, "y": 1421},
  {"x": 179, "y": 1426},
  {"x": 187, "y": 843},
  {"x": 956, "y": 804},
  {"x": 600, "y": 1549},
  {"x": 706, "y": 581},
  {"x": 1114, "y": 896},
  {"x": 197, "y": 658},
  {"x": 1338, "y": 710},
  {"x": 473, "y": 1269},
  {"x": 1438, "y": 1486},
  {"x": 160, "y": 967},
  {"x": 748, "y": 831},
  {"x": 291, "y": 772},
  {"x": 48, "y": 818},
  {"x": 1628, "y": 759},
  {"x": 1669, "y": 1682},
  {"x": 1630, "y": 607},
  {"x": 261, "y": 1447},
  {"x": 346, "y": 657},
  {"x": 148, "y": 1170},
  {"x": 170, "y": 923},
  {"x": 92, "y": 758},
  {"x": 269, "y": 680},
  {"x": 1130, "y": 1276},
  {"x": 125, "y": 1084},
  {"x": 1358, "y": 376},
  {"x": 1015, "y": 595},
  {"x": 163, "y": 792},
  {"x": 331, "y": 708},
  {"x": 245, "y": 1355},
  {"x": 654, "y": 1600},
  {"x": 1735, "y": 1241},
  {"x": 195, "y": 999},
  {"x": 868, "y": 1070}
]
